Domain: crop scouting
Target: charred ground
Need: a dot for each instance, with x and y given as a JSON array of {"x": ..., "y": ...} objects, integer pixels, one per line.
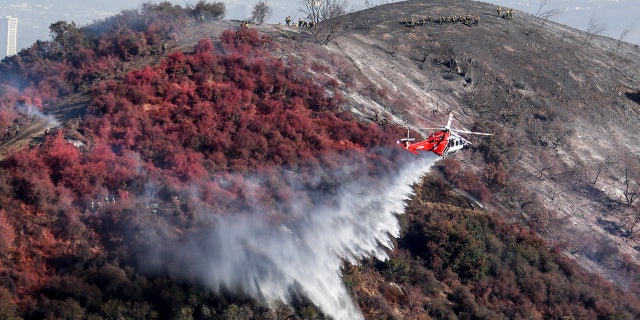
[
  {"x": 559, "y": 177},
  {"x": 562, "y": 103}
]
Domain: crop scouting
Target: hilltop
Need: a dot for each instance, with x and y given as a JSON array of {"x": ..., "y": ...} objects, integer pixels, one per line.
[{"x": 182, "y": 179}]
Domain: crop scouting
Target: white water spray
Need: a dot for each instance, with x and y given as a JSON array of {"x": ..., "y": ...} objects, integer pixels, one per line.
[{"x": 245, "y": 253}]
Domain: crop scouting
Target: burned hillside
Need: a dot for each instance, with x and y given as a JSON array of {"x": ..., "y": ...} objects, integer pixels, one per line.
[{"x": 561, "y": 102}]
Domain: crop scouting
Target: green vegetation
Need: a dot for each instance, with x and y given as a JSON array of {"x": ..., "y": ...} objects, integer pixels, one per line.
[{"x": 453, "y": 261}]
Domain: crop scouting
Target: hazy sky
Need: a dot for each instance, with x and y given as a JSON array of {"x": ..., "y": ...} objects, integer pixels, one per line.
[
  {"x": 614, "y": 15},
  {"x": 35, "y": 16}
]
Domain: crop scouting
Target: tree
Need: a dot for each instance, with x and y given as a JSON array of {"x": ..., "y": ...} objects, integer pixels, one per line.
[
  {"x": 593, "y": 28},
  {"x": 543, "y": 15},
  {"x": 311, "y": 9},
  {"x": 261, "y": 11},
  {"x": 607, "y": 163},
  {"x": 67, "y": 36},
  {"x": 317, "y": 11},
  {"x": 209, "y": 10},
  {"x": 631, "y": 182},
  {"x": 329, "y": 30},
  {"x": 333, "y": 9},
  {"x": 327, "y": 17},
  {"x": 623, "y": 35},
  {"x": 631, "y": 221}
]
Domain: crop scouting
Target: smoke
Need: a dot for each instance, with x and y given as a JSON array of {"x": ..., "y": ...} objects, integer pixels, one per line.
[
  {"x": 249, "y": 254},
  {"x": 33, "y": 112}
]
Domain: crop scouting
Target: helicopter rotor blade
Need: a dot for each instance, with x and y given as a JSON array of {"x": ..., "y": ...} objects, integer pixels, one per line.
[
  {"x": 472, "y": 132},
  {"x": 449, "y": 128}
]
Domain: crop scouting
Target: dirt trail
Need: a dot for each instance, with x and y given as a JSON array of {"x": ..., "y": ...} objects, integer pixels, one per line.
[{"x": 28, "y": 134}]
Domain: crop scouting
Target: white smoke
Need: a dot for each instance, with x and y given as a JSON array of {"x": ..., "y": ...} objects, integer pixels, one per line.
[
  {"x": 249, "y": 254},
  {"x": 33, "y": 112}
]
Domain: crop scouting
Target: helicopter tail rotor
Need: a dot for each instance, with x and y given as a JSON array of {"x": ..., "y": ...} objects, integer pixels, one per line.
[{"x": 408, "y": 138}]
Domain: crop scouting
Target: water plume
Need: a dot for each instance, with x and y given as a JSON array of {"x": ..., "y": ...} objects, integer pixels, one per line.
[{"x": 246, "y": 253}]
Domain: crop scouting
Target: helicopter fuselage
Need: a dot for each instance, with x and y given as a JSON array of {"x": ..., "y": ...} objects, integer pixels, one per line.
[{"x": 445, "y": 141}]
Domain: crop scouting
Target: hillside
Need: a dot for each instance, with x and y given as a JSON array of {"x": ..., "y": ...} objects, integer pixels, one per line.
[
  {"x": 563, "y": 103},
  {"x": 252, "y": 173}
]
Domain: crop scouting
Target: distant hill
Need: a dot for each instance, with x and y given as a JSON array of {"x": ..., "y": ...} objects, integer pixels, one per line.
[{"x": 189, "y": 160}]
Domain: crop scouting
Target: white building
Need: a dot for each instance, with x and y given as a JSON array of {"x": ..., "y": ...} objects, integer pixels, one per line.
[{"x": 12, "y": 35}]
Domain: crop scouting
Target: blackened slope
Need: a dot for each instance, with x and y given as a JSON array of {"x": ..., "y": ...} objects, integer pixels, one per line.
[{"x": 561, "y": 106}]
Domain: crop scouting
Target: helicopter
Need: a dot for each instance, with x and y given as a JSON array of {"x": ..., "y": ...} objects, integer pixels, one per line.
[{"x": 445, "y": 141}]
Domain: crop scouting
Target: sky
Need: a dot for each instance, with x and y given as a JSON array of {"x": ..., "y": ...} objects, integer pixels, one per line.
[
  {"x": 35, "y": 16},
  {"x": 614, "y": 15}
]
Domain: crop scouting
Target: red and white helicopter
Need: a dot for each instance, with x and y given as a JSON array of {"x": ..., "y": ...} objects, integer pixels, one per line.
[{"x": 443, "y": 142}]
